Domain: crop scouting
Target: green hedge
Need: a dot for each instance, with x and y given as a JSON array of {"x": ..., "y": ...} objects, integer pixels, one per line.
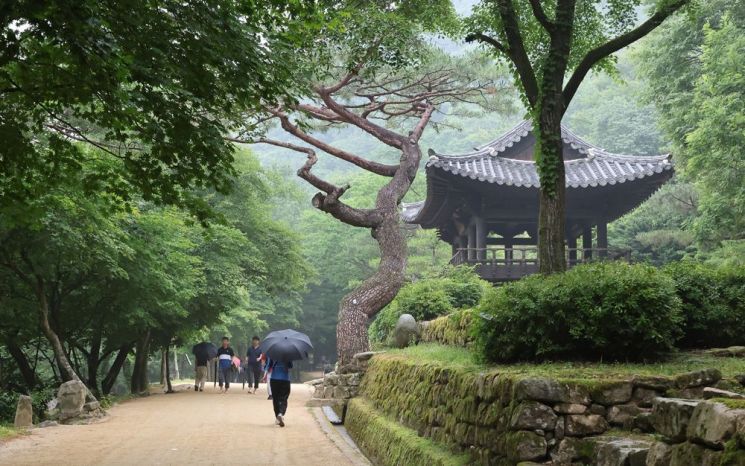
[
  {"x": 429, "y": 298},
  {"x": 713, "y": 304},
  {"x": 453, "y": 329},
  {"x": 606, "y": 310}
]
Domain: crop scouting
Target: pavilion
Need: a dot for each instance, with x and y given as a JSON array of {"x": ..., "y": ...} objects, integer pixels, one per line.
[{"x": 485, "y": 203}]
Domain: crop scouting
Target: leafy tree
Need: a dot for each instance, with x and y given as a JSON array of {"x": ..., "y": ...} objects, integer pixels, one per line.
[
  {"x": 697, "y": 86},
  {"x": 544, "y": 42},
  {"x": 149, "y": 83}
]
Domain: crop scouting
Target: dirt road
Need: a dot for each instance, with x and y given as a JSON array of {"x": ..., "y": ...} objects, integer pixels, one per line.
[{"x": 189, "y": 428}]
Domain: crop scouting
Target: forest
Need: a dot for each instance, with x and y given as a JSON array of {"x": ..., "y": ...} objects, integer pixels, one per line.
[{"x": 149, "y": 201}]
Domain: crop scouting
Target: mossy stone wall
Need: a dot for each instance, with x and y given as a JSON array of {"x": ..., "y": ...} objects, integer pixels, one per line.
[{"x": 452, "y": 330}]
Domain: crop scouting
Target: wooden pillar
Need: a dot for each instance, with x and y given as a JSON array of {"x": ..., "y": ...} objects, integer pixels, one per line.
[
  {"x": 603, "y": 238},
  {"x": 471, "y": 242},
  {"x": 481, "y": 238},
  {"x": 572, "y": 246},
  {"x": 587, "y": 243},
  {"x": 508, "y": 249}
]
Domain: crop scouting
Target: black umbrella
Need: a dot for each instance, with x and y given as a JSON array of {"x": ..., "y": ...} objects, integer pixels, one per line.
[
  {"x": 286, "y": 345},
  {"x": 204, "y": 350}
]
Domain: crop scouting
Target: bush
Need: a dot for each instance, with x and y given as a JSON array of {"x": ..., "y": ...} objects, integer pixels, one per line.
[
  {"x": 39, "y": 399},
  {"x": 429, "y": 298},
  {"x": 713, "y": 304},
  {"x": 609, "y": 310}
]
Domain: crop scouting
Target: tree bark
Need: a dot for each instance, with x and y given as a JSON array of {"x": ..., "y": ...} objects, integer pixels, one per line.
[
  {"x": 66, "y": 371},
  {"x": 167, "y": 369},
  {"x": 551, "y": 211},
  {"x": 139, "y": 381},
  {"x": 108, "y": 381},
  {"x": 27, "y": 372}
]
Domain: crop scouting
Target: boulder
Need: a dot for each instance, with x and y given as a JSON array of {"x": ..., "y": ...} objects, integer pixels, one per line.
[
  {"x": 712, "y": 424},
  {"x": 670, "y": 417},
  {"x": 24, "y": 412},
  {"x": 689, "y": 454},
  {"x": 531, "y": 415},
  {"x": 701, "y": 378},
  {"x": 710, "y": 392},
  {"x": 406, "y": 331},
  {"x": 71, "y": 396},
  {"x": 582, "y": 425},
  {"x": 740, "y": 379},
  {"x": 643, "y": 422},
  {"x": 44, "y": 424},
  {"x": 659, "y": 454},
  {"x": 598, "y": 409},
  {"x": 623, "y": 414},
  {"x": 573, "y": 449},
  {"x": 612, "y": 393}
]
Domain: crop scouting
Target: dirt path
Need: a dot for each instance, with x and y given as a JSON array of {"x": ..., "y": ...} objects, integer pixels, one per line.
[{"x": 188, "y": 428}]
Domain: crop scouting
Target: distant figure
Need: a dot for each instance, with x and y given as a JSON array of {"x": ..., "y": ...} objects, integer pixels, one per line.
[
  {"x": 201, "y": 372},
  {"x": 253, "y": 368},
  {"x": 225, "y": 355},
  {"x": 279, "y": 381}
]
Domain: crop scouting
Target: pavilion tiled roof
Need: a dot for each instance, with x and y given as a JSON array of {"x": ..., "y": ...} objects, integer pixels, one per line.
[{"x": 597, "y": 168}]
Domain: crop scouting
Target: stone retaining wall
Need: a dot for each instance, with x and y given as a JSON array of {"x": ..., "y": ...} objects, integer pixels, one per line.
[
  {"x": 452, "y": 330},
  {"x": 507, "y": 418}
]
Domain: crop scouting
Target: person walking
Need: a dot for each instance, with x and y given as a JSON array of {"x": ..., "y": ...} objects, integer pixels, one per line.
[
  {"x": 201, "y": 370},
  {"x": 279, "y": 381},
  {"x": 253, "y": 356},
  {"x": 225, "y": 355}
]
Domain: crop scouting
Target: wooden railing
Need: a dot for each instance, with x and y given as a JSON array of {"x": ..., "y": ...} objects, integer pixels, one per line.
[{"x": 502, "y": 263}]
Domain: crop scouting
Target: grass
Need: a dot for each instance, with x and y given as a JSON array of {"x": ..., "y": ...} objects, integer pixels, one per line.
[
  {"x": 674, "y": 364},
  {"x": 7, "y": 432}
]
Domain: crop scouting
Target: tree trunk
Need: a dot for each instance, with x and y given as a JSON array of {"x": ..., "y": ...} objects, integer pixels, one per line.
[
  {"x": 552, "y": 206},
  {"x": 63, "y": 364},
  {"x": 374, "y": 293},
  {"x": 93, "y": 359},
  {"x": 108, "y": 381},
  {"x": 163, "y": 364},
  {"x": 167, "y": 370},
  {"x": 27, "y": 372},
  {"x": 139, "y": 381}
]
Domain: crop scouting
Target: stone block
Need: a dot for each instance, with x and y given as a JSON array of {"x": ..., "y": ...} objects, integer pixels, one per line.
[
  {"x": 522, "y": 445},
  {"x": 710, "y": 392},
  {"x": 712, "y": 424},
  {"x": 659, "y": 454},
  {"x": 570, "y": 408},
  {"x": 700, "y": 378},
  {"x": 620, "y": 415},
  {"x": 644, "y": 396},
  {"x": 653, "y": 382},
  {"x": 574, "y": 449},
  {"x": 24, "y": 412},
  {"x": 581, "y": 425},
  {"x": 689, "y": 454},
  {"x": 618, "y": 451},
  {"x": 549, "y": 391},
  {"x": 531, "y": 415},
  {"x": 612, "y": 393},
  {"x": 598, "y": 409},
  {"x": 71, "y": 396},
  {"x": 670, "y": 417}
]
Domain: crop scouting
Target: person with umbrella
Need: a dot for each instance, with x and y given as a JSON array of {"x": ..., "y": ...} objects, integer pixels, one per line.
[
  {"x": 281, "y": 348},
  {"x": 203, "y": 352},
  {"x": 225, "y": 355}
]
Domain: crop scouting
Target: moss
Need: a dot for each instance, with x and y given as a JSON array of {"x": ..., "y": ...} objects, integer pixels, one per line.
[
  {"x": 732, "y": 456},
  {"x": 730, "y": 403},
  {"x": 453, "y": 329},
  {"x": 389, "y": 443}
]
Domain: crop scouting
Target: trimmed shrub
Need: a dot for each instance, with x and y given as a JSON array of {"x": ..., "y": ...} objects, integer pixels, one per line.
[
  {"x": 607, "y": 310},
  {"x": 429, "y": 298},
  {"x": 453, "y": 329},
  {"x": 713, "y": 304}
]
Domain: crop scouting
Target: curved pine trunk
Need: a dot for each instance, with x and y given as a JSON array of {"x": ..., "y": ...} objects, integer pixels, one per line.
[{"x": 374, "y": 293}]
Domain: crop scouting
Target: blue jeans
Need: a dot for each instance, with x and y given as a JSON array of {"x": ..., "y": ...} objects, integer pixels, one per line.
[{"x": 224, "y": 376}]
